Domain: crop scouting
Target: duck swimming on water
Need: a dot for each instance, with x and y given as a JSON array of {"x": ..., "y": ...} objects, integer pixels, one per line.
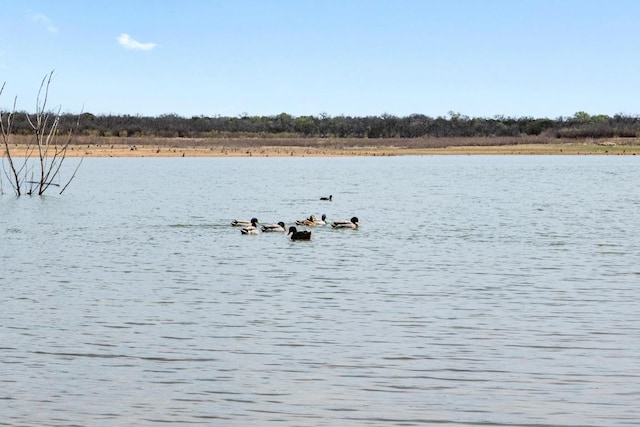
[
  {"x": 243, "y": 222},
  {"x": 299, "y": 235},
  {"x": 322, "y": 221},
  {"x": 309, "y": 222},
  {"x": 274, "y": 227},
  {"x": 250, "y": 229},
  {"x": 352, "y": 223}
]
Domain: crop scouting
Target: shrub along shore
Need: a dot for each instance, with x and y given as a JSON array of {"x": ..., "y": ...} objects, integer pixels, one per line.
[{"x": 94, "y": 146}]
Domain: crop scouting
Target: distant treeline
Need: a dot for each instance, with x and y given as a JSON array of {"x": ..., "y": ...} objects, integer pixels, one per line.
[{"x": 581, "y": 125}]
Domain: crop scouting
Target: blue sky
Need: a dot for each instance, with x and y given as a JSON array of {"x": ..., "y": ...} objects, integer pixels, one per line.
[{"x": 480, "y": 58}]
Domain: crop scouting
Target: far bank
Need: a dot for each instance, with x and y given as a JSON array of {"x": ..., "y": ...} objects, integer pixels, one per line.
[{"x": 84, "y": 146}]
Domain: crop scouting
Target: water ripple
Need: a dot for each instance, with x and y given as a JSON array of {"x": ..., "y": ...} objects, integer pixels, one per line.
[{"x": 478, "y": 291}]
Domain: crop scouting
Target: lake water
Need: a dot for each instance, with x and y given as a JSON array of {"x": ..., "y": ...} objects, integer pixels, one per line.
[{"x": 479, "y": 290}]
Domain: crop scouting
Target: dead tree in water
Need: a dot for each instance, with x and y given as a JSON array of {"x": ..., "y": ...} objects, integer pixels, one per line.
[{"x": 39, "y": 165}]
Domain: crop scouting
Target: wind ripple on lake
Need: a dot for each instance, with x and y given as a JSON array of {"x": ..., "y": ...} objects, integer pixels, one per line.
[{"x": 479, "y": 291}]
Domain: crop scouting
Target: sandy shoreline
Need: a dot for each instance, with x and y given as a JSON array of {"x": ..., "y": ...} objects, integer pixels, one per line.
[{"x": 164, "y": 148}]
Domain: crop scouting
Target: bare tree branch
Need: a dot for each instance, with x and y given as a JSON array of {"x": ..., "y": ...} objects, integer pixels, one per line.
[{"x": 50, "y": 155}]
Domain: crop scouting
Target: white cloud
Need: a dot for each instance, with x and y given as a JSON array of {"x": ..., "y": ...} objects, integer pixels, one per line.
[
  {"x": 127, "y": 42},
  {"x": 44, "y": 21}
]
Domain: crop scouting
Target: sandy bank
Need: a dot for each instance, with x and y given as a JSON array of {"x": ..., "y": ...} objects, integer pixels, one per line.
[{"x": 115, "y": 147}]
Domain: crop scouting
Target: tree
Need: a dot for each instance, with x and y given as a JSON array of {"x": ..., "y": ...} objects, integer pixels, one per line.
[
  {"x": 582, "y": 117},
  {"x": 45, "y": 151}
]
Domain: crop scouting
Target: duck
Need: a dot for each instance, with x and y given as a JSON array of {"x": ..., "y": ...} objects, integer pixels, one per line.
[
  {"x": 352, "y": 223},
  {"x": 250, "y": 229},
  {"x": 327, "y": 198},
  {"x": 299, "y": 235},
  {"x": 274, "y": 227},
  {"x": 243, "y": 222},
  {"x": 309, "y": 222},
  {"x": 322, "y": 221}
]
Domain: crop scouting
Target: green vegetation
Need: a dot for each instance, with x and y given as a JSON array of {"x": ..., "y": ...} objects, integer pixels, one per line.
[{"x": 453, "y": 125}]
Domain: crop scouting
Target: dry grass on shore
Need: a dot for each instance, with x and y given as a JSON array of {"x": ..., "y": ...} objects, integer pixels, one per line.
[{"x": 88, "y": 146}]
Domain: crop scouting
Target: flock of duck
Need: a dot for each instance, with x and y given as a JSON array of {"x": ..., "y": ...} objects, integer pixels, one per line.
[{"x": 252, "y": 226}]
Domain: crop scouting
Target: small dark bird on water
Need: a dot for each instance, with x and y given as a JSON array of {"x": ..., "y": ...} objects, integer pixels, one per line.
[
  {"x": 299, "y": 235},
  {"x": 327, "y": 198}
]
